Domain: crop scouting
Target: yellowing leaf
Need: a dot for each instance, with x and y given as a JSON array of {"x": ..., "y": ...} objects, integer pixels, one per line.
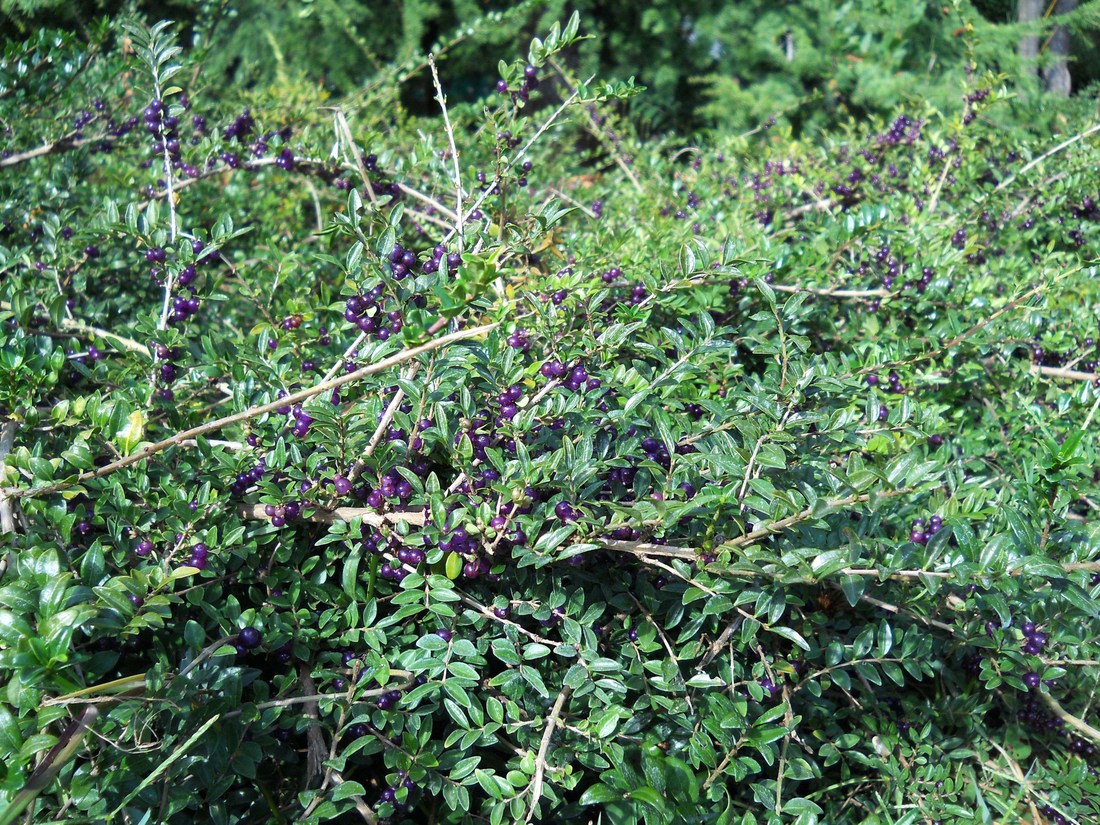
[{"x": 130, "y": 436}]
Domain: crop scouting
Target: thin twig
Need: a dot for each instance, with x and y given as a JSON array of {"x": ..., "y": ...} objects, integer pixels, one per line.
[
  {"x": 1052, "y": 151},
  {"x": 315, "y": 697},
  {"x": 1060, "y": 372},
  {"x": 665, "y": 643},
  {"x": 812, "y": 206},
  {"x": 470, "y": 601},
  {"x": 540, "y": 760},
  {"x": 429, "y": 200},
  {"x": 572, "y": 200},
  {"x": 598, "y": 132},
  {"x": 173, "y": 227},
  {"x": 339, "y": 514},
  {"x": 719, "y": 643},
  {"x": 205, "y": 654},
  {"x": 441, "y": 98},
  {"x": 788, "y": 721},
  {"x": 250, "y": 413},
  {"x": 893, "y": 608},
  {"x": 79, "y": 326},
  {"x": 62, "y": 144},
  {"x": 939, "y": 186},
  {"x": 391, "y": 410},
  {"x": 1014, "y": 304},
  {"x": 344, "y": 131},
  {"x": 756, "y": 450},
  {"x": 833, "y": 293},
  {"x": 522, "y": 153},
  {"x": 51, "y": 765},
  {"x": 1016, "y": 769},
  {"x": 1080, "y": 725},
  {"x": 383, "y": 424}
]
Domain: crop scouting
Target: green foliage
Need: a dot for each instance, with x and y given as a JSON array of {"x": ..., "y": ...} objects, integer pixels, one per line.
[
  {"x": 750, "y": 481},
  {"x": 728, "y": 66}
]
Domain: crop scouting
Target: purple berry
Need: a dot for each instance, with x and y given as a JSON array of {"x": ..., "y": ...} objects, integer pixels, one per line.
[{"x": 249, "y": 638}]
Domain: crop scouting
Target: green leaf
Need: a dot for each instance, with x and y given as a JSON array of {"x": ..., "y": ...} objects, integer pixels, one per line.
[
  {"x": 791, "y": 635},
  {"x": 348, "y": 789},
  {"x": 649, "y": 796},
  {"x": 599, "y": 795},
  {"x": 853, "y": 588}
]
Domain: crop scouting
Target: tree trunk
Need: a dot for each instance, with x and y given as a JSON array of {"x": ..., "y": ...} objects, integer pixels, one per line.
[
  {"x": 1056, "y": 75},
  {"x": 1028, "y": 11}
]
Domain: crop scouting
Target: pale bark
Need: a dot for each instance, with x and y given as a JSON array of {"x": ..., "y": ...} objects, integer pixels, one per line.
[
  {"x": 1056, "y": 75},
  {"x": 1028, "y": 11}
]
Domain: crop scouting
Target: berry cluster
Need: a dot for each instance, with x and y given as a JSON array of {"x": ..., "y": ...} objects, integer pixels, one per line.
[
  {"x": 519, "y": 340},
  {"x": 523, "y": 93},
  {"x": 280, "y": 514},
  {"x": 1034, "y": 639},
  {"x": 199, "y": 552},
  {"x": 575, "y": 379},
  {"x": 168, "y": 359},
  {"x": 895, "y": 382},
  {"x": 163, "y": 128},
  {"x": 390, "y": 796},
  {"x": 439, "y": 252},
  {"x": 247, "y": 479},
  {"x": 921, "y": 532},
  {"x": 368, "y": 313}
]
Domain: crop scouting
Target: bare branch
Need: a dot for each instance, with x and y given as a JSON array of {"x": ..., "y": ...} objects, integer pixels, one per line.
[
  {"x": 1080, "y": 725},
  {"x": 540, "y": 760},
  {"x": 439, "y": 96},
  {"x": 1060, "y": 372},
  {"x": 834, "y": 293},
  {"x": 64, "y": 144},
  {"x": 338, "y": 514},
  {"x": 344, "y": 131},
  {"x": 516, "y": 158},
  {"x": 245, "y": 415},
  {"x": 128, "y": 344},
  {"x": 1065, "y": 144}
]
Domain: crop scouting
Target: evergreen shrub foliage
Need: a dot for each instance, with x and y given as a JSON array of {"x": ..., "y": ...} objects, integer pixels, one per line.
[
  {"x": 750, "y": 480},
  {"x": 706, "y": 64}
]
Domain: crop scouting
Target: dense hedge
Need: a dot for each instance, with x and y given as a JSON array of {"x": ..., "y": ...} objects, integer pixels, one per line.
[{"x": 747, "y": 480}]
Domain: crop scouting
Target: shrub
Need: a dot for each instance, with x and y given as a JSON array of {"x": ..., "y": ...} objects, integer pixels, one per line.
[{"x": 743, "y": 482}]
